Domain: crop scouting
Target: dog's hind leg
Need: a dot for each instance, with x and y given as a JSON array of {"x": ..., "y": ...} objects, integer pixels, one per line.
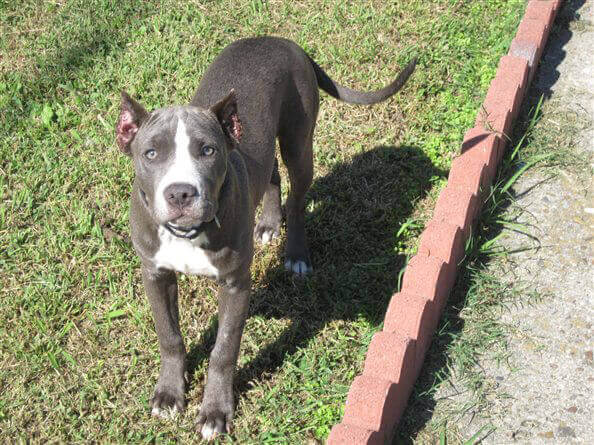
[
  {"x": 269, "y": 223},
  {"x": 297, "y": 153}
]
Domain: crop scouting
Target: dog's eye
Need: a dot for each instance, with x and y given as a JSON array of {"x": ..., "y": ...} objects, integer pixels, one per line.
[
  {"x": 150, "y": 154},
  {"x": 207, "y": 150}
]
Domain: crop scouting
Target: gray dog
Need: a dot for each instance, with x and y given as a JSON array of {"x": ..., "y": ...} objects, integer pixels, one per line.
[{"x": 201, "y": 171}]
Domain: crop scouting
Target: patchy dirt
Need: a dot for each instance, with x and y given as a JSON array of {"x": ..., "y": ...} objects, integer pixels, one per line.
[{"x": 545, "y": 394}]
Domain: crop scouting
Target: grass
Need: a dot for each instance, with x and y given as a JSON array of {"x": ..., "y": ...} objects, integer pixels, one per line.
[
  {"x": 453, "y": 387},
  {"x": 78, "y": 352}
]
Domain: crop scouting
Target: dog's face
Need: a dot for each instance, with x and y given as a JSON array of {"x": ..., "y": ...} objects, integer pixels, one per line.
[{"x": 180, "y": 158}]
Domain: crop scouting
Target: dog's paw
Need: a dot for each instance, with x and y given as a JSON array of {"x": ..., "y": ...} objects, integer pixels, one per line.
[
  {"x": 167, "y": 404},
  {"x": 299, "y": 268},
  {"x": 214, "y": 421},
  {"x": 266, "y": 232},
  {"x": 213, "y": 427}
]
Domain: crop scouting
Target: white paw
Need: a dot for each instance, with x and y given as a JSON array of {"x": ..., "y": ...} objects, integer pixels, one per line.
[
  {"x": 210, "y": 430},
  {"x": 207, "y": 431},
  {"x": 165, "y": 413},
  {"x": 298, "y": 267},
  {"x": 268, "y": 235},
  {"x": 264, "y": 233}
]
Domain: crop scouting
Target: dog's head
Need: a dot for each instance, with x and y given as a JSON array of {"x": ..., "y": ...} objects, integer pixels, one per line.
[{"x": 180, "y": 157}]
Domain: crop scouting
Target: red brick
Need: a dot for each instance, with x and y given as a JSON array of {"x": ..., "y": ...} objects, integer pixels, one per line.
[
  {"x": 530, "y": 32},
  {"x": 442, "y": 240},
  {"x": 392, "y": 357},
  {"x": 524, "y": 50},
  {"x": 430, "y": 277},
  {"x": 416, "y": 317},
  {"x": 527, "y": 51},
  {"x": 505, "y": 90},
  {"x": 533, "y": 31},
  {"x": 543, "y": 10},
  {"x": 495, "y": 118},
  {"x": 486, "y": 146},
  {"x": 495, "y": 113},
  {"x": 514, "y": 69},
  {"x": 468, "y": 172},
  {"x": 457, "y": 206},
  {"x": 342, "y": 434},
  {"x": 375, "y": 404}
]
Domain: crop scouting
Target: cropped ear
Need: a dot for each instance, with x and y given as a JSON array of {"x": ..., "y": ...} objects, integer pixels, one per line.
[
  {"x": 132, "y": 114},
  {"x": 226, "y": 112}
]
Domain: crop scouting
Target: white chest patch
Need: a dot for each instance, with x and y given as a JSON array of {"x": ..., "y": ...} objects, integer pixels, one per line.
[{"x": 183, "y": 255}]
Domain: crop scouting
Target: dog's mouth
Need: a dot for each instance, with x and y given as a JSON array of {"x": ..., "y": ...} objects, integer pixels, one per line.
[
  {"x": 190, "y": 232},
  {"x": 185, "y": 232}
]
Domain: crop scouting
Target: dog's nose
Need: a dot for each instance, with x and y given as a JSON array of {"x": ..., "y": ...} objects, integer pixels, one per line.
[{"x": 180, "y": 195}]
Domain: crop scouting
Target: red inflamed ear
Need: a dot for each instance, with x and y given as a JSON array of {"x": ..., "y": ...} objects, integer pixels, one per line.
[
  {"x": 132, "y": 114},
  {"x": 226, "y": 112}
]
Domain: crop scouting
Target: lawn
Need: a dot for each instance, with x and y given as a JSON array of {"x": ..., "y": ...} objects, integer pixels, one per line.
[{"x": 78, "y": 351}]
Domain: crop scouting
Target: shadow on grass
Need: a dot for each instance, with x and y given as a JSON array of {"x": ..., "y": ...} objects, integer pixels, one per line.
[
  {"x": 357, "y": 210},
  {"x": 436, "y": 368}
]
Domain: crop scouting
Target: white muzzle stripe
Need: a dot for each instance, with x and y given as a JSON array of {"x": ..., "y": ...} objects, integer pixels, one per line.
[{"x": 181, "y": 170}]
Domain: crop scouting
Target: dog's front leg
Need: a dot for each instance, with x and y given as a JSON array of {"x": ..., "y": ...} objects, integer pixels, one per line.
[
  {"x": 161, "y": 288},
  {"x": 216, "y": 411}
]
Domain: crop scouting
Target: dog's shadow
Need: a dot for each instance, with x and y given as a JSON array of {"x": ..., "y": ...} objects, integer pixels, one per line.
[{"x": 355, "y": 213}]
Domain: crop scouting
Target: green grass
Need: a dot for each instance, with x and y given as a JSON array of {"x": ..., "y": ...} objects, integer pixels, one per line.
[{"x": 78, "y": 352}]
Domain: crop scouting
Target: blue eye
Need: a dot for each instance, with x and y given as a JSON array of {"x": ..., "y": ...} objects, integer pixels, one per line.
[
  {"x": 207, "y": 150},
  {"x": 150, "y": 154}
]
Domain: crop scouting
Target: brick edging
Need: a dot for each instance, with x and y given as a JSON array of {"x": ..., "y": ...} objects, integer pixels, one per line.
[{"x": 378, "y": 397}]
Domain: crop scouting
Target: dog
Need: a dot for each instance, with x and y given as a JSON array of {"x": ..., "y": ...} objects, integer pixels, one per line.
[{"x": 200, "y": 172}]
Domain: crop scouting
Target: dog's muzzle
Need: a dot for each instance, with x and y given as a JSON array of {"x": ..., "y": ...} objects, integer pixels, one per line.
[
  {"x": 190, "y": 232},
  {"x": 184, "y": 232}
]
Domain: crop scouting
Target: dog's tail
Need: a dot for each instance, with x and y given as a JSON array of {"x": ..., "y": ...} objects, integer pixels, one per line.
[{"x": 361, "y": 97}]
